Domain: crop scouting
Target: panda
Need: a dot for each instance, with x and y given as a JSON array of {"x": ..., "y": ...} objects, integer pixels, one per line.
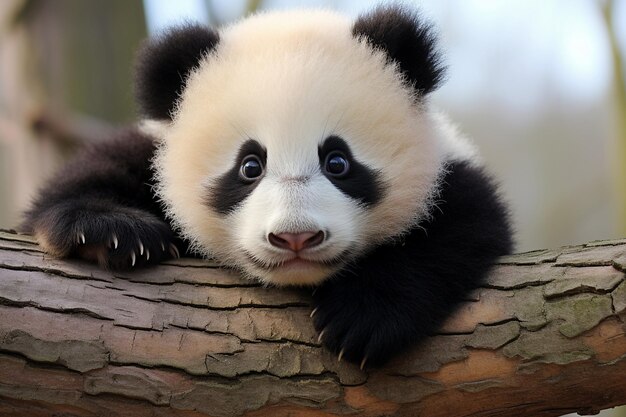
[{"x": 300, "y": 148}]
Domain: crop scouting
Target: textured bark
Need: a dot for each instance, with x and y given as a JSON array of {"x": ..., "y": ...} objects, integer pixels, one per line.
[{"x": 544, "y": 336}]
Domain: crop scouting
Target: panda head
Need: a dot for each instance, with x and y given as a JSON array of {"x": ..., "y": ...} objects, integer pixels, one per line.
[{"x": 293, "y": 142}]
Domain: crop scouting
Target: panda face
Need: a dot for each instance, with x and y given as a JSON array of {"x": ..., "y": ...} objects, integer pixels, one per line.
[
  {"x": 295, "y": 147},
  {"x": 298, "y": 221}
]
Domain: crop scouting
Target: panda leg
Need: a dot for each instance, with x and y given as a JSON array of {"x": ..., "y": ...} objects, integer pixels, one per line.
[
  {"x": 101, "y": 207},
  {"x": 401, "y": 292}
]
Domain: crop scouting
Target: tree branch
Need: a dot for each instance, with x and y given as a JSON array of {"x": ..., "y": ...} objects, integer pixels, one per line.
[{"x": 544, "y": 336}]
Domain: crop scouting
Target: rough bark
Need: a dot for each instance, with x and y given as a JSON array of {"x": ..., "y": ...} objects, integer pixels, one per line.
[{"x": 544, "y": 336}]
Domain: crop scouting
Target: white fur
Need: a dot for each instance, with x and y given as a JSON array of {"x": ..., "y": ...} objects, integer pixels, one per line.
[
  {"x": 455, "y": 145},
  {"x": 157, "y": 129},
  {"x": 289, "y": 80}
]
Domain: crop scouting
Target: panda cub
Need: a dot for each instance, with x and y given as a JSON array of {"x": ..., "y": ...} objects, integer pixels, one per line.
[{"x": 300, "y": 148}]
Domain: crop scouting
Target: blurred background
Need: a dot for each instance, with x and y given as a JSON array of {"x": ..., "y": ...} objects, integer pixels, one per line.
[{"x": 540, "y": 87}]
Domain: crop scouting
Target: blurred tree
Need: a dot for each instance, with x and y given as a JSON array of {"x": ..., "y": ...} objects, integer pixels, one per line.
[
  {"x": 253, "y": 5},
  {"x": 96, "y": 41},
  {"x": 608, "y": 8},
  {"x": 60, "y": 59}
]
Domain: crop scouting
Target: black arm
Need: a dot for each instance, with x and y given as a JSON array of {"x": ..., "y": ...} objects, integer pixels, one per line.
[
  {"x": 101, "y": 207},
  {"x": 401, "y": 292}
]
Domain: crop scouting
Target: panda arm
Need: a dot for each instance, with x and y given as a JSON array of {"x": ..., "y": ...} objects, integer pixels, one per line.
[
  {"x": 401, "y": 292},
  {"x": 101, "y": 207}
]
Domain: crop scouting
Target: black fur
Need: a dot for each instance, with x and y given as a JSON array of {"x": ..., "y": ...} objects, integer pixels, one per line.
[
  {"x": 361, "y": 183},
  {"x": 230, "y": 189},
  {"x": 106, "y": 190},
  {"x": 163, "y": 64},
  {"x": 408, "y": 41},
  {"x": 401, "y": 292}
]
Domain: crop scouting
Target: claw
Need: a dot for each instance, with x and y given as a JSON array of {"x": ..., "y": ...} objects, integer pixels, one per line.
[
  {"x": 115, "y": 242},
  {"x": 340, "y": 355},
  {"x": 174, "y": 251},
  {"x": 162, "y": 246},
  {"x": 314, "y": 291},
  {"x": 140, "y": 248},
  {"x": 147, "y": 254},
  {"x": 132, "y": 258},
  {"x": 319, "y": 338},
  {"x": 313, "y": 312},
  {"x": 363, "y": 363},
  {"x": 81, "y": 238}
]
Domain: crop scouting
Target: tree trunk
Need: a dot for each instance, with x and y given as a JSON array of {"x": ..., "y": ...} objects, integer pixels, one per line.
[{"x": 544, "y": 336}]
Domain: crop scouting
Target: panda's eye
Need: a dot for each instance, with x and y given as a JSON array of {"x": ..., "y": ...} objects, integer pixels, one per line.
[
  {"x": 337, "y": 164},
  {"x": 251, "y": 168}
]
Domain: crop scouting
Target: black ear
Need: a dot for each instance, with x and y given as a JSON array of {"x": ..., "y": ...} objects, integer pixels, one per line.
[
  {"x": 407, "y": 40},
  {"x": 163, "y": 64}
]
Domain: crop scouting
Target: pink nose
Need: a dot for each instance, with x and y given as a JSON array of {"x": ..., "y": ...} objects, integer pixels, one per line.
[{"x": 296, "y": 241}]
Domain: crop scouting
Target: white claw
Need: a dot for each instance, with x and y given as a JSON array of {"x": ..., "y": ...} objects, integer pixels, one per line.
[
  {"x": 313, "y": 312},
  {"x": 132, "y": 258},
  {"x": 340, "y": 355},
  {"x": 114, "y": 241},
  {"x": 147, "y": 254},
  {"x": 174, "y": 251},
  {"x": 363, "y": 363},
  {"x": 162, "y": 246},
  {"x": 140, "y": 248},
  {"x": 319, "y": 338},
  {"x": 81, "y": 237}
]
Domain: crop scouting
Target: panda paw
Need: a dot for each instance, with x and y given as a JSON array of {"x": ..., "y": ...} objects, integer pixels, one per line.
[
  {"x": 114, "y": 236},
  {"x": 366, "y": 334}
]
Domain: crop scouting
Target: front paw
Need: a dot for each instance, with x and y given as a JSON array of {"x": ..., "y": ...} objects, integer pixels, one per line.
[
  {"x": 115, "y": 236},
  {"x": 362, "y": 331}
]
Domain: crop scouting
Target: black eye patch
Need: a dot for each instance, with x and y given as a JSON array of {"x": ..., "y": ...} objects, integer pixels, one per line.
[
  {"x": 230, "y": 189},
  {"x": 359, "y": 182}
]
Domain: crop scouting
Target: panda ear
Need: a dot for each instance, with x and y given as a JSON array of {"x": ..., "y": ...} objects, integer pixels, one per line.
[
  {"x": 407, "y": 40},
  {"x": 164, "y": 63}
]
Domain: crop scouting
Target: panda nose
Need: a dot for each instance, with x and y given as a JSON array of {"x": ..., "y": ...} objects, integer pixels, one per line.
[{"x": 296, "y": 241}]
